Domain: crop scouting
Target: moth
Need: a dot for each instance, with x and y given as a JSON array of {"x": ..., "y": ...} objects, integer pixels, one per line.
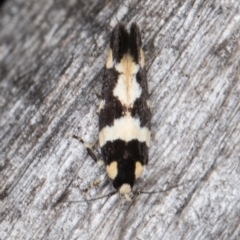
[{"x": 124, "y": 110}]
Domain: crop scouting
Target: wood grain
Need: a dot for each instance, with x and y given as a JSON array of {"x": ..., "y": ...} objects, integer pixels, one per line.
[{"x": 51, "y": 59}]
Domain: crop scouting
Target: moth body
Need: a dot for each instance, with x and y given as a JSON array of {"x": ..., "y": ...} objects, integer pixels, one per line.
[{"x": 124, "y": 110}]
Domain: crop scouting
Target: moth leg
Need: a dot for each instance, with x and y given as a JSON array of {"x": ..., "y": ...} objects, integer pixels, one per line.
[
  {"x": 95, "y": 182},
  {"x": 97, "y": 93},
  {"x": 89, "y": 148},
  {"x": 126, "y": 196},
  {"x": 101, "y": 101}
]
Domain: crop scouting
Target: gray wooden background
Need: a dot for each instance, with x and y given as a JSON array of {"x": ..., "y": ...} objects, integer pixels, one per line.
[{"x": 51, "y": 59}]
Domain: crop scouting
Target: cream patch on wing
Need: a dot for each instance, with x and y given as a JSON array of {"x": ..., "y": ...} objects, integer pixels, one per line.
[
  {"x": 138, "y": 170},
  {"x": 142, "y": 58},
  {"x": 101, "y": 105},
  {"x": 127, "y": 89},
  {"x": 148, "y": 104},
  {"x": 109, "y": 62},
  {"x": 112, "y": 170},
  {"x": 125, "y": 128}
]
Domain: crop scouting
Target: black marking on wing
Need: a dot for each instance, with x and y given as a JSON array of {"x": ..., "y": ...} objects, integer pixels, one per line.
[
  {"x": 135, "y": 42},
  {"x": 119, "y": 42},
  {"x": 113, "y": 108},
  {"x": 123, "y": 42},
  {"x": 120, "y": 150},
  {"x": 140, "y": 109},
  {"x": 126, "y": 154}
]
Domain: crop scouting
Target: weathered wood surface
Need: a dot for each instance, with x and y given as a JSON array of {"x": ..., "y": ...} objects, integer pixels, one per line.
[{"x": 51, "y": 59}]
